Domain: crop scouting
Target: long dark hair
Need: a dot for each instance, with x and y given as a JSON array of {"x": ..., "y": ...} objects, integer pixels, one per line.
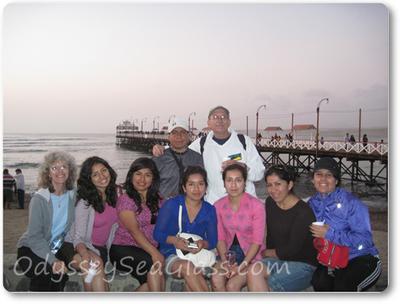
[
  {"x": 283, "y": 172},
  {"x": 190, "y": 170},
  {"x": 152, "y": 197},
  {"x": 88, "y": 191}
]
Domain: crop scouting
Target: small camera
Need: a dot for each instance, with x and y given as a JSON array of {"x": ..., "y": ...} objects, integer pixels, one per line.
[{"x": 192, "y": 243}]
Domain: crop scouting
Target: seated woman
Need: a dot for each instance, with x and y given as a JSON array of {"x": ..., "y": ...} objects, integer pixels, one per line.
[
  {"x": 346, "y": 222},
  {"x": 241, "y": 229},
  {"x": 95, "y": 219},
  {"x": 51, "y": 214},
  {"x": 290, "y": 258},
  {"x": 134, "y": 250},
  {"x": 198, "y": 217}
]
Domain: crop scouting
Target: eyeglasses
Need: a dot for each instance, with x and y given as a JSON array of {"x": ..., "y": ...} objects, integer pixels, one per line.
[
  {"x": 59, "y": 168},
  {"x": 219, "y": 117}
]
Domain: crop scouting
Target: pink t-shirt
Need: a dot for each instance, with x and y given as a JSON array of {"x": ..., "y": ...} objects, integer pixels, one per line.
[
  {"x": 248, "y": 222},
  {"x": 122, "y": 236},
  {"x": 102, "y": 225}
]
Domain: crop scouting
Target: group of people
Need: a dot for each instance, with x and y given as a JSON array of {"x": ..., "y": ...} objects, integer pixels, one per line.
[
  {"x": 13, "y": 184},
  {"x": 206, "y": 189}
]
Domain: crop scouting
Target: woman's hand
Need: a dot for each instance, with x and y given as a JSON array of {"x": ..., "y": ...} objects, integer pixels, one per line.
[
  {"x": 319, "y": 231},
  {"x": 59, "y": 267},
  {"x": 87, "y": 257},
  {"x": 269, "y": 253},
  {"x": 157, "y": 257},
  {"x": 181, "y": 243},
  {"x": 235, "y": 269},
  {"x": 200, "y": 245}
]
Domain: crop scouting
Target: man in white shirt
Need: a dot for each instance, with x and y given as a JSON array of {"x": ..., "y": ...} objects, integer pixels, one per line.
[
  {"x": 20, "y": 188},
  {"x": 223, "y": 147}
]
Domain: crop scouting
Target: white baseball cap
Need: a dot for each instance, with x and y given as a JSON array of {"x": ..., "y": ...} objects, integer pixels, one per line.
[{"x": 177, "y": 122}]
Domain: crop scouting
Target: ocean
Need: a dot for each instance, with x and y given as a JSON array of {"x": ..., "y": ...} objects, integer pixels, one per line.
[{"x": 26, "y": 151}]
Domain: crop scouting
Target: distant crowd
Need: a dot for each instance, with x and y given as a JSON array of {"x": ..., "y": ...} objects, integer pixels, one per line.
[{"x": 191, "y": 212}]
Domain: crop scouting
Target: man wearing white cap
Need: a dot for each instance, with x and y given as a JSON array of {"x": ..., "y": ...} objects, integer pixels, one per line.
[{"x": 176, "y": 158}]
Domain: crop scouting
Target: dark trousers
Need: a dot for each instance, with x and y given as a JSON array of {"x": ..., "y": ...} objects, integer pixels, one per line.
[
  {"x": 7, "y": 197},
  {"x": 360, "y": 274},
  {"x": 21, "y": 198},
  {"x": 133, "y": 260},
  {"x": 39, "y": 270}
]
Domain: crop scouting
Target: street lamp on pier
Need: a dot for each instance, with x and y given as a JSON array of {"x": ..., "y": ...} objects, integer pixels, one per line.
[
  {"x": 317, "y": 135},
  {"x": 154, "y": 120},
  {"x": 171, "y": 117},
  {"x": 141, "y": 123},
  {"x": 133, "y": 124},
  {"x": 259, "y": 108},
  {"x": 194, "y": 114}
]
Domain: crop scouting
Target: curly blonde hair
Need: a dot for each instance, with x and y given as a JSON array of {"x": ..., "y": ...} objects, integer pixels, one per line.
[{"x": 44, "y": 180}]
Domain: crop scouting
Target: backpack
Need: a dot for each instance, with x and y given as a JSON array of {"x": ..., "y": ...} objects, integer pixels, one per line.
[{"x": 241, "y": 137}]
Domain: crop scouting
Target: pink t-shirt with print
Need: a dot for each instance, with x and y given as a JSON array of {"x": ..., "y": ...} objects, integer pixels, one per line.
[
  {"x": 248, "y": 222},
  {"x": 122, "y": 236}
]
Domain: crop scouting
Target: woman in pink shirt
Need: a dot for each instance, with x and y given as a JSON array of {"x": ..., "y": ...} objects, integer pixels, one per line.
[
  {"x": 95, "y": 219},
  {"x": 134, "y": 249},
  {"x": 241, "y": 231}
]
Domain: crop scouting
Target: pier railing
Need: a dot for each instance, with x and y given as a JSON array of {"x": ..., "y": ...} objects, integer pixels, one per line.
[
  {"x": 306, "y": 145},
  {"x": 334, "y": 146}
]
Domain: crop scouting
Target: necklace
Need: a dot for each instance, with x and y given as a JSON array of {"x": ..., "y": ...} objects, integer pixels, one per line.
[{"x": 57, "y": 200}]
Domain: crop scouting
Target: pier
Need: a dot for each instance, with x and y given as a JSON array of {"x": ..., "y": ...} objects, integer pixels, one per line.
[{"x": 301, "y": 155}]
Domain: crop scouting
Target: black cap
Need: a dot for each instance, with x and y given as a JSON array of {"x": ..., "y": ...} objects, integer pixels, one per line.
[{"x": 328, "y": 163}]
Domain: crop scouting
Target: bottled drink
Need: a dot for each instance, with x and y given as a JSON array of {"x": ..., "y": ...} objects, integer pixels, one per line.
[
  {"x": 230, "y": 257},
  {"x": 91, "y": 272},
  {"x": 56, "y": 243}
]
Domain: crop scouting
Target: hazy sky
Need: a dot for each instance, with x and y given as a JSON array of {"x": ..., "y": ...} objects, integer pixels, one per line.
[{"x": 87, "y": 67}]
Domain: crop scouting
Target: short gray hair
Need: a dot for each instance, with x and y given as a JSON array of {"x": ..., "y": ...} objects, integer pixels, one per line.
[
  {"x": 218, "y": 108},
  {"x": 44, "y": 180}
]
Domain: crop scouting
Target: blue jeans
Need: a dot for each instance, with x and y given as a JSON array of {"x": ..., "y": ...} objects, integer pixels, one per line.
[{"x": 288, "y": 275}]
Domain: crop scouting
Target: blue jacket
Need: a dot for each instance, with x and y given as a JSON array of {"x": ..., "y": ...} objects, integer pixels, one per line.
[
  {"x": 204, "y": 225},
  {"x": 348, "y": 221}
]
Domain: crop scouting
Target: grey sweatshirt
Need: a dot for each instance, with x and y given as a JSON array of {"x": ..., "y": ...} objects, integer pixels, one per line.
[
  {"x": 82, "y": 229},
  {"x": 38, "y": 235}
]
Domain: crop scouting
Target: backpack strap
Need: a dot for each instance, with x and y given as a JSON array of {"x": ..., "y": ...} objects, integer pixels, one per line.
[
  {"x": 241, "y": 138},
  {"x": 202, "y": 142}
]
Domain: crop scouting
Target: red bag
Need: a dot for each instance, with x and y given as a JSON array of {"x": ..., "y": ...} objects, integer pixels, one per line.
[{"x": 330, "y": 254}]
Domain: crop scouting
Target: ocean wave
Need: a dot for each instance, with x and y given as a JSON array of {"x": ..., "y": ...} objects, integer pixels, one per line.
[
  {"x": 23, "y": 165},
  {"x": 23, "y": 151}
]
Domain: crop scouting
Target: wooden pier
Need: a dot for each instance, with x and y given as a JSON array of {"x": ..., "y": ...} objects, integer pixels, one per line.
[{"x": 301, "y": 155}]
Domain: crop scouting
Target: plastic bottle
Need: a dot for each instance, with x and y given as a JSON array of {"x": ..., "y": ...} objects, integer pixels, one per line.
[
  {"x": 91, "y": 272},
  {"x": 56, "y": 244}
]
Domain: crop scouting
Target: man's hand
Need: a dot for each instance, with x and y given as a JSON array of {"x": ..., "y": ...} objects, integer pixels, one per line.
[
  {"x": 231, "y": 162},
  {"x": 158, "y": 150}
]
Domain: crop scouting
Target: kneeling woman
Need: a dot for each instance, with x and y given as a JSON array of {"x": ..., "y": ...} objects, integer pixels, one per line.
[
  {"x": 134, "y": 250},
  {"x": 198, "y": 217},
  {"x": 95, "y": 219},
  {"x": 290, "y": 258},
  {"x": 241, "y": 229},
  {"x": 347, "y": 223}
]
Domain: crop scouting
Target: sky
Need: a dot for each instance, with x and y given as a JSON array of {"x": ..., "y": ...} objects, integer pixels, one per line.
[{"x": 84, "y": 68}]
